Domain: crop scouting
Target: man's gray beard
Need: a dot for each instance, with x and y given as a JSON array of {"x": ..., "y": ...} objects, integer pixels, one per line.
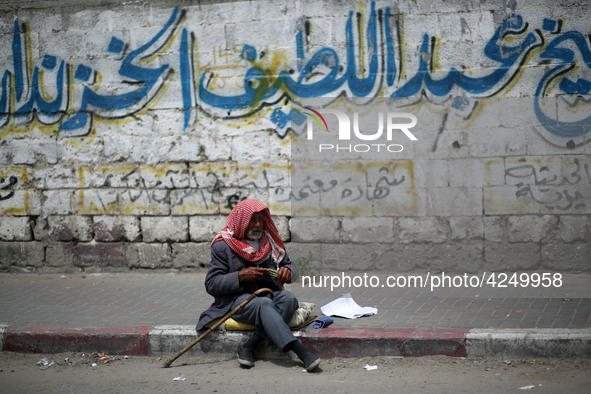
[{"x": 250, "y": 235}]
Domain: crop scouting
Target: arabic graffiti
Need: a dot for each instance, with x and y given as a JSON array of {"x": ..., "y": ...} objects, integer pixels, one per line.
[
  {"x": 213, "y": 188},
  {"x": 558, "y": 49},
  {"x": 348, "y": 190},
  {"x": 174, "y": 189},
  {"x": 76, "y": 102},
  {"x": 322, "y": 74},
  {"x": 15, "y": 198},
  {"x": 380, "y": 188},
  {"x": 6, "y": 186},
  {"x": 370, "y": 64},
  {"x": 551, "y": 185},
  {"x": 206, "y": 188}
]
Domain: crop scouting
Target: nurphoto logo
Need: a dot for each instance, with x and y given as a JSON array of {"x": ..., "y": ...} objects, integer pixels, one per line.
[{"x": 368, "y": 131}]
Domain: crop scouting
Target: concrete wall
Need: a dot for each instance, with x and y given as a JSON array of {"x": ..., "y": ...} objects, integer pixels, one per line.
[{"x": 128, "y": 130}]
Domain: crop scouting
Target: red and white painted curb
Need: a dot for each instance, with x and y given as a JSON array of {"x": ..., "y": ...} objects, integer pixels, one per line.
[{"x": 328, "y": 342}]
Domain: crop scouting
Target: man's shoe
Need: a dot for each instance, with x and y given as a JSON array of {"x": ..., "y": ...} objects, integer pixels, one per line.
[
  {"x": 245, "y": 357},
  {"x": 311, "y": 361}
]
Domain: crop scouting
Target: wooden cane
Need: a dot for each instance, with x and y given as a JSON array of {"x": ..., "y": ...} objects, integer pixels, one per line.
[{"x": 216, "y": 325}]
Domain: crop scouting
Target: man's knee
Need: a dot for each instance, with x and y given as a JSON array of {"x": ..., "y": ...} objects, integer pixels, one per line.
[
  {"x": 286, "y": 300},
  {"x": 285, "y": 296},
  {"x": 261, "y": 302}
]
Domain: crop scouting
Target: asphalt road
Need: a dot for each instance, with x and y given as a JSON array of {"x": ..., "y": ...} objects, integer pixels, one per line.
[{"x": 87, "y": 373}]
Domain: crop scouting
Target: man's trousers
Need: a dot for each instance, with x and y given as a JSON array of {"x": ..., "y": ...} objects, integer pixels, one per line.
[{"x": 269, "y": 316}]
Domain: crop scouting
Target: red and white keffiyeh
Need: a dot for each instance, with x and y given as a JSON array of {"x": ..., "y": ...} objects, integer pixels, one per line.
[{"x": 238, "y": 220}]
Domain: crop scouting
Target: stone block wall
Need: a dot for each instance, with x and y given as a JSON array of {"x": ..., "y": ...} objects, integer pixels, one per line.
[{"x": 129, "y": 130}]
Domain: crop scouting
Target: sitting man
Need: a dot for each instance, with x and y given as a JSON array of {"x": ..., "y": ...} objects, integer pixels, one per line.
[{"x": 241, "y": 255}]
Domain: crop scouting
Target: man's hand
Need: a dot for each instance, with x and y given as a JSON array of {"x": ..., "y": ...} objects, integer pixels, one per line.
[
  {"x": 284, "y": 275},
  {"x": 250, "y": 274}
]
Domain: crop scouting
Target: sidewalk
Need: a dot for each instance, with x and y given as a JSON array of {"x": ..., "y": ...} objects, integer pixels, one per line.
[{"x": 155, "y": 314}]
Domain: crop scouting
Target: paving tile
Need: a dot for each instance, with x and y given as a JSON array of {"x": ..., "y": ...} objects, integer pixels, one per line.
[{"x": 106, "y": 300}]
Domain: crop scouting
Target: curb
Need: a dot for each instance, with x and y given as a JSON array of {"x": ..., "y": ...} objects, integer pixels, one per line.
[
  {"x": 3, "y": 327},
  {"x": 406, "y": 342},
  {"x": 45, "y": 339},
  {"x": 529, "y": 343},
  {"x": 327, "y": 343}
]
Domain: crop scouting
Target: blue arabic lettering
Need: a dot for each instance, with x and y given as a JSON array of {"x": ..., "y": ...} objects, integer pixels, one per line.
[
  {"x": 506, "y": 56},
  {"x": 149, "y": 80},
  {"x": 260, "y": 86},
  {"x": 28, "y": 90},
  {"x": 567, "y": 62}
]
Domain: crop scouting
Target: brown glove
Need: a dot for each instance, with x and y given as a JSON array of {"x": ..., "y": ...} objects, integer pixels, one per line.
[{"x": 250, "y": 274}]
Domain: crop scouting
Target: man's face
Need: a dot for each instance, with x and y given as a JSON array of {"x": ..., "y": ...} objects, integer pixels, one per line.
[{"x": 254, "y": 231}]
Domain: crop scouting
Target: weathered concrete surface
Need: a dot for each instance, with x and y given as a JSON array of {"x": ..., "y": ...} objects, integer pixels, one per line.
[{"x": 129, "y": 129}]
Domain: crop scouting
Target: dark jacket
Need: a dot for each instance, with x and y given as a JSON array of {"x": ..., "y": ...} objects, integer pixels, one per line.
[{"x": 222, "y": 282}]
